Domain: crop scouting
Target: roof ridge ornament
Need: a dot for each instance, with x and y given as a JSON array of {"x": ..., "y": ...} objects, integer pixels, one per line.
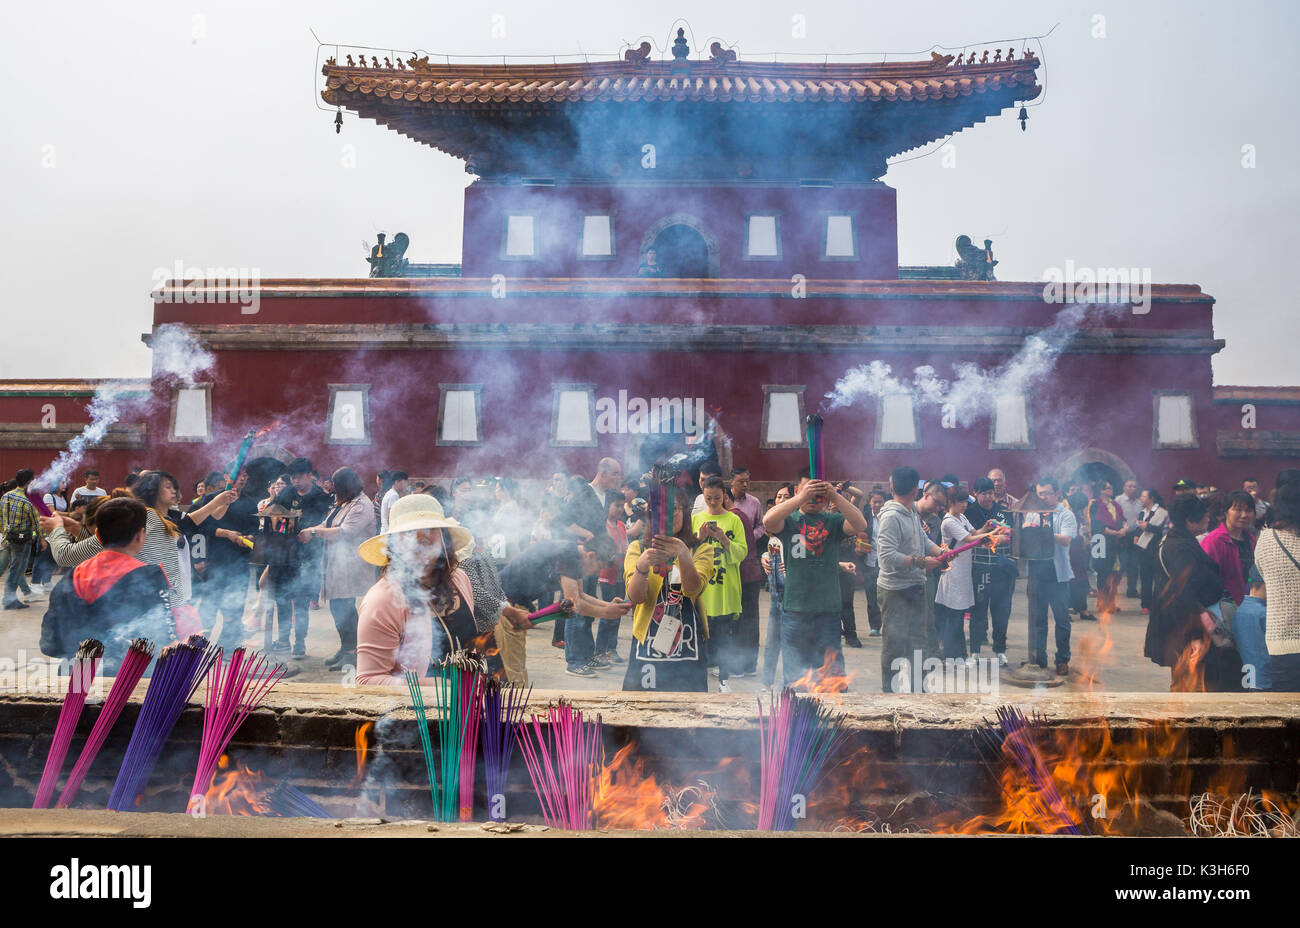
[
  {"x": 639, "y": 55},
  {"x": 720, "y": 55},
  {"x": 681, "y": 50}
]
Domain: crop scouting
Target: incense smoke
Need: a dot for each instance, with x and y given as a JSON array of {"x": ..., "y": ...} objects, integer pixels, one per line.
[
  {"x": 176, "y": 353},
  {"x": 974, "y": 390}
]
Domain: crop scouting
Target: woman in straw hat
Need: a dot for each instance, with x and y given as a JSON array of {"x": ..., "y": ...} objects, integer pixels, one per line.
[{"x": 422, "y": 608}]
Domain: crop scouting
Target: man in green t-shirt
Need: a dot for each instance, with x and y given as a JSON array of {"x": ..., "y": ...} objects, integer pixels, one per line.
[
  {"x": 721, "y": 597},
  {"x": 811, "y": 536}
]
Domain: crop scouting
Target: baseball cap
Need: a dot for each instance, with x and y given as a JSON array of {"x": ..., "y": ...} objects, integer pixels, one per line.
[{"x": 1185, "y": 484}]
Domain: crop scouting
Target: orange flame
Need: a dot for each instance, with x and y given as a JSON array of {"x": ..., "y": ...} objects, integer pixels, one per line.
[
  {"x": 236, "y": 792},
  {"x": 362, "y": 748},
  {"x": 628, "y": 795},
  {"x": 1189, "y": 673},
  {"x": 830, "y": 677}
]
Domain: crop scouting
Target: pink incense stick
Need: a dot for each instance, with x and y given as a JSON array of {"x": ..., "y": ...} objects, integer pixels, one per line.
[
  {"x": 949, "y": 555},
  {"x": 234, "y": 690},
  {"x": 546, "y": 613},
  {"x": 471, "y": 703},
  {"x": 83, "y": 674},
  {"x": 138, "y": 656}
]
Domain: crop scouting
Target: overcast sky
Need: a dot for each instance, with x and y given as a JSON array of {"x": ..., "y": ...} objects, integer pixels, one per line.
[{"x": 139, "y": 135}]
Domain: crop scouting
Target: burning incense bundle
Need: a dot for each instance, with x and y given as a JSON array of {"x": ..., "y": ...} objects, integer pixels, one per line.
[
  {"x": 138, "y": 656},
  {"x": 422, "y": 726},
  {"x": 240, "y": 456},
  {"x": 458, "y": 683},
  {"x": 290, "y": 802},
  {"x": 797, "y": 736},
  {"x": 564, "y": 760},
  {"x": 554, "y": 611},
  {"x": 177, "y": 674},
  {"x": 816, "y": 449},
  {"x": 83, "y": 674},
  {"x": 1015, "y": 738},
  {"x": 234, "y": 690},
  {"x": 471, "y": 703},
  {"x": 949, "y": 555},
  {"x": 503, "y": 712}
]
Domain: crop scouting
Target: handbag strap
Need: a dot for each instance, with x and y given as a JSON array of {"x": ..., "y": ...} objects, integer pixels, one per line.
[{"x": 1284, "y": 548}]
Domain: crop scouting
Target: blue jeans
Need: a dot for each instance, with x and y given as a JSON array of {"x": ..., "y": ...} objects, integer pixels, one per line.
[
  {"x": 607, "y": 629},
  {"x": 805, "y": 639},
  {"x": 579, "y": 642},
  {"x": 952, "y": 637},
  {"x": 16, "y": 557},
  {"x": 1046, "y": 591},
  {"x": 1248, "y": 634}
]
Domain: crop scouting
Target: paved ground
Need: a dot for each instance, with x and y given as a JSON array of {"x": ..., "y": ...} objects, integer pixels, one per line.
[{"x": 1105, "y": 657}]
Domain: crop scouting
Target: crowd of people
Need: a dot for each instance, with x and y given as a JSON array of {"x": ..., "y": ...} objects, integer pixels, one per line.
[{"x": 414, "y": 572}]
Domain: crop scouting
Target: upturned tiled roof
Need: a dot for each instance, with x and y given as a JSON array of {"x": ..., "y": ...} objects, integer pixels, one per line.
[{"x": 420, "y": 80}]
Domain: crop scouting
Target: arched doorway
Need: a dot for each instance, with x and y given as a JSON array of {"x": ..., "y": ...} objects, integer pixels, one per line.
[
  {"x": 684, "y": 248},
  {"x": 1093, "y": 464}
]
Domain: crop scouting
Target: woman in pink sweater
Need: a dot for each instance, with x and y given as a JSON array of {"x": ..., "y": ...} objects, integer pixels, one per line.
[{"x": 422, "y": 608}]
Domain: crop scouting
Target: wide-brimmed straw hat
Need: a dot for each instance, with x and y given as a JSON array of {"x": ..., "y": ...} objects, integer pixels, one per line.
[{"x": 415, "y": 513}]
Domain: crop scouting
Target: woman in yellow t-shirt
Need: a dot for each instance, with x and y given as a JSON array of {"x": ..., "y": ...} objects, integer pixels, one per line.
[
  {"x": 722, "y": 597},
  {"x": 665, "y": 579}
]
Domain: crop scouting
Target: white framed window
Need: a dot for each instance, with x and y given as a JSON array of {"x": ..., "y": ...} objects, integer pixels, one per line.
[
  {"x": 191, "y": 416},
  {"x": 897, "y": 426},
  {"x": 349, "y": 414},
  {"x": 520, "y": 236},
  {"x": 597, "y": 237},
  {"x": 1009, "y": 426},
  {"x": 783, "y": 416},
  {"x": 460, "y": 414},
  {"x": 1174, "y": 423},
  {"x": 573, "y": 415},
  {"x": 839, "y": 237},
  {"x": 762, "y": 237}
]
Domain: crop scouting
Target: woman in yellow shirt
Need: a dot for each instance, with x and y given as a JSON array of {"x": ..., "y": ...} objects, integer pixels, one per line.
[{"x": 665, "y": 580}]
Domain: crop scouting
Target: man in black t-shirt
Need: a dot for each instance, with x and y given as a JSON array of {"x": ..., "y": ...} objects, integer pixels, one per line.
[
  {"x": 538, "y": 572},
  {"x": 297, "y": 581},
  {"x": 584, "y": 518},
  {"x": 226, "y": 574}
]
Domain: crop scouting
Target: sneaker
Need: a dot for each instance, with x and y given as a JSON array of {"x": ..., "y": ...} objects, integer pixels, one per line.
[
  {"x": 1146, "y": 611},
  {"x": 723, "y": 687},
  {"x": 335, "y": 659},
  {"x": 853, "y": 642},
  {"x": 280, "y": 647},
  {"x": 36, "y": 594},
  {"x": 1087, "y": 617},
  {"x": 874, "y": 633},
  {"x": 597, "y": 664},
  {"x": 16, "y": 605},
  {"x": 713, "y": 671},
  {"x": 583, "y": 671},
  {"x": 1062, "y": 668},
  {"x": 558, "y": 644},
  {"x": 300, "y": 650},
  {"x": 1002, "y": 658},
  {"x": 610, "y": 657}
]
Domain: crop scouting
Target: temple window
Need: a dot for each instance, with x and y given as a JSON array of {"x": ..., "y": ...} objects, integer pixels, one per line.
[
  {"x": 460, "y": 414},
  {"x": 1175, "y": 426},
  {"x": 783, "y": 416},
  {"x": 762, "y": 239},
  {"x": 838, "y": 239},
  {"x": 521, "y": 235},
  {"x": 597, "y": 236},
  {"x": 1009, "y": 428},
  {"x": 349, "y": 414},
  {"x": 573, "y": 415},
  {"x": 896, "y": 424},
  {"x": 191, "y": 418}
]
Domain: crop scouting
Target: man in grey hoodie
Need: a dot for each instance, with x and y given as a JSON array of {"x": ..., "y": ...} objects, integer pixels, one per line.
[{"x": 904, "y": 553}]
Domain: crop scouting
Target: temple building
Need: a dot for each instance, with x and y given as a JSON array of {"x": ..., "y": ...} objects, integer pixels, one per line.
[{"x": 681, "y": 255}]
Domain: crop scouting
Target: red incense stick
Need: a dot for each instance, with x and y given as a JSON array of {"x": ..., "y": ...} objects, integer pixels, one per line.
[{"x": 83, "y": 674}]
